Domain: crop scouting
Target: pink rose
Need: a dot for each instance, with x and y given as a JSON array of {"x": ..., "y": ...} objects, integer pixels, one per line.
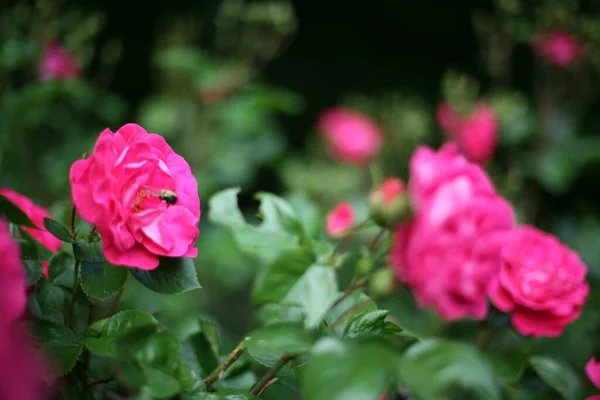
[
  {"x": 20, "y": 376},
  {"x": 447, "y": 118},
  {"x": 478, "y": 134},
  {"x": 431, "y": 169},
  {"x": 340, "y": 219},
  {"x": 541, "y": 282},
  {"x": 117, "y": 188},
  {"x": 350, "y": 136},
  {"x": 36, "y": 214},
  {"x": 448, "y": 255},
  {"x": 559, "y": 48},
  {"x": 58, "y": 63}
]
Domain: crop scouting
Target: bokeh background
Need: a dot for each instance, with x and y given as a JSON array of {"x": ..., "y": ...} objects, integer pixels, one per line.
[{"x": 236, "y": 87}]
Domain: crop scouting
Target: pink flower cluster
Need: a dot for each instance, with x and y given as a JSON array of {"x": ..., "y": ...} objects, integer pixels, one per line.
[
  {"x": 20, "y": 369},
  {"x": 462, "y": 246},
  {"x": 559, "y": 48},
  {"x": 118, "y": 190},
  {"x": 476, "y": 133},
  {"x": 58, "y": 64},
  {"x": 351, "y": 137}
]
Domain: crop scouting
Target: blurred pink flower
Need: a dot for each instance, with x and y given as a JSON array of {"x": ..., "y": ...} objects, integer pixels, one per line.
[
  {"x": 58, "y": 63},
  {"x": 592, "y": 370},
  {"x": 117, "y": 189},
  {"x": 36, "y": 214},
  {"x": 340, "y": 219},
  {"x": 448, "y": 255},
  {"x": 475, "y": 133},
  {"x": 20, "y": 370},
  {"x": 478, "y": 134},
  {"x": 541, "y": 282},
  {"x": 558, "y": 47},
  {"x": 447, "y": 118},
  {"x": 350, "y": 136},
  {"x": 389, "y": 190}
]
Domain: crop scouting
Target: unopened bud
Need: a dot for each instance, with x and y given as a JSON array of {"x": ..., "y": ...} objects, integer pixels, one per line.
[
  {"x": 364, "y": 266},
  {"x": 383, "y": 282},
  {"x": 389, "y": 203}
]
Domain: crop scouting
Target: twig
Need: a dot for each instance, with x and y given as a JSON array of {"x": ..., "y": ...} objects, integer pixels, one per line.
[
  {"x": 74, "y": 292},
  {"x": 73, "y": 214},
  {"x": 349, "y": 235},
  {"x": 92, "y": 382},
  {"x": 376, "y": 240},
  {"x": 109, "y": 393},
  {"x": 351, "y": 288},
  {"x": 268, "y": 377},
  {"x": 115, "y": 302},
  {"x": 231, "y": 358}
]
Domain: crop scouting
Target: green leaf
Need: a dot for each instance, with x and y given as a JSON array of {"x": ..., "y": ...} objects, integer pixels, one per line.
[
  {"x": 277, "y": 314},
  {"x": 33, "y": 270},
  {"x": 278, "y": 215},
  {"x": 115, "y": 327},
  {"x": 264, "y": 241},
  {"x": 270, "y": 343},
  {"x": 349, "y": 302},
  {"x": 100, "y": 279},
  {"x": 226, "y": 394},
  {"x": 58, "y": 264},
  {"x": 371, "y": 321},
  {"x": 49, "y": 297},
  {"x": 206, "y": 346},
  {"x": 85, "y": 250},
  {"x": 340, "y": 370},
  {"x": 314, "y": 292},
  {"x": 172, "y": 276},
  {"x": 431, "y": 366},
  {"x": 59, "y": 344},
  {"x": 28, "y": 249},
  {"x": 162, "y": 386},
  {"x": 558, "y": 376},
  {"x": 277, "y": 278},
  {"x": 13, "y": 214},
  {"x": 58, "y": 230}
]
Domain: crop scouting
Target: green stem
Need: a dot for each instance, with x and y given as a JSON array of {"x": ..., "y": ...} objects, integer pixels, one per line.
[
  {"x": 231, "y": 358},
  {"x": 374, "y": 243},
  {"x": 264, "y": 381},
  {"x": 74, "y": 292},
  {"x": 73, "y": 214},
  {"x": 349, "y": 235}
]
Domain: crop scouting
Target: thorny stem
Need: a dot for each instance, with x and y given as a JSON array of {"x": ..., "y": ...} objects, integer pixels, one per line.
[
  {"x": 268, "y": 377},
  {"x": 73, "y": 214},
  {"x": 354, "y": 284},
  {"x": 349, "y": 235},
  {"x": 115, "y": 302},
  {"x": 109, "y": 393},
  {"x": 231, "y": 358},
  {"x": 373, "y": 245},
  {"x": 74, "y": 292}
]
